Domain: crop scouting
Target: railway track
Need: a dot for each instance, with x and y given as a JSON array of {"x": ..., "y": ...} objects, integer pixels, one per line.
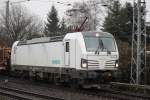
[
  {"x": 121, "y": 95},
  {"x": 53, "y": 92},
  {"x": 25, "y": 95},
  {"x": 111, "y": 94}
]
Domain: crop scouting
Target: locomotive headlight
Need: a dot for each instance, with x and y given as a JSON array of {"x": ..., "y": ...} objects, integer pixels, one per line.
[
  {"x": 97, "y": 34},
  {"x": 116, "y": 65},
  {"x": 84, "y": 63}
]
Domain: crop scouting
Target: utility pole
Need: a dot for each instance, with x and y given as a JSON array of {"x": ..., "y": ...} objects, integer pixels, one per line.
[
  {"x": 95, "y": 16},
  {"x": 7, "y": 14},
  {"x": 138, "y": 60}
]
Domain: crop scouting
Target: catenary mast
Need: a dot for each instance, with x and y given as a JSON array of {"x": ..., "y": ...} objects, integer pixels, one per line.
[{"x": 138, "y": 60}]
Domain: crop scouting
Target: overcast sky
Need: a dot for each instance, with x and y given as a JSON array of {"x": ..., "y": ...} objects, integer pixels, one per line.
[{"x": 41, "y": 7}]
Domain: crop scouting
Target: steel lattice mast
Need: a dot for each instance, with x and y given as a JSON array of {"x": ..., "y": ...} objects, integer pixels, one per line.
[{"x": 138, "y": 60}]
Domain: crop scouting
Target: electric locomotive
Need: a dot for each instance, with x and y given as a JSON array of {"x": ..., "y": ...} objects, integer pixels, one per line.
[{"x": 80, "y": 57}]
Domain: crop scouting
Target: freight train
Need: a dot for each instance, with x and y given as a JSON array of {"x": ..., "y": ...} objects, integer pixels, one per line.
[
  {"x": 4, "y": 58},
  {"x": 76, "y": 58}
]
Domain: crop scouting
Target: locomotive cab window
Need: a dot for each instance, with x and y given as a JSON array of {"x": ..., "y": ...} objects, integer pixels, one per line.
[
  {"x": 67, "y": 46},
  {"x": 99, "y": 44}
]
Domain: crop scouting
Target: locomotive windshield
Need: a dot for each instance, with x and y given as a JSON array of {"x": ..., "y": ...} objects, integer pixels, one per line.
[{"x": 98, "y": 44}]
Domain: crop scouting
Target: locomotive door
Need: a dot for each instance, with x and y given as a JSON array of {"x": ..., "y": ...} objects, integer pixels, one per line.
[{"x": 67, "y": 53}]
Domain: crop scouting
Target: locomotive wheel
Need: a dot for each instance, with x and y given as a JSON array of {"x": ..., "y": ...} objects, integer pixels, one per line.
[
  {"x": 56, "y": 79},
  {"x": 74, "y": 83}
]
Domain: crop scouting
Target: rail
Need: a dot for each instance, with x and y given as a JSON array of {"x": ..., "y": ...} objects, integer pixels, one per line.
[
  {"x": 130, "y": 86},
  {"x": 55, "y": 92},
  {"x": 9, "y": 95},
  {"x": 24, "y": 95}
]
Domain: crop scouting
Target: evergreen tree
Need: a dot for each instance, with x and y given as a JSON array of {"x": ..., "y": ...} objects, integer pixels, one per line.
[
  {"x": 63, "y": 27},
  {"x": 126, "y": 20},
  {"x": 119, "y": 20},
  {"x": 119, "y": 23},
  {"x": 52, "y": 27},
  {"x": 112, "y": 21}
]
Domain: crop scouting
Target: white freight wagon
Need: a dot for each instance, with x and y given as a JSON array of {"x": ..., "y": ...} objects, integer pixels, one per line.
[{"x": 79, "y": 55}]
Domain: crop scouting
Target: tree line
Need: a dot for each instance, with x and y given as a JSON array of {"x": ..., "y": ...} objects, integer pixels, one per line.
[{"x": 22, "y": 25}]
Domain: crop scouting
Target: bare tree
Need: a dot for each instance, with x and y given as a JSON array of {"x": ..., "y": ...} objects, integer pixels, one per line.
[
  {"x": 77, "y": 15},
  {"x": 20, "y": 25},
  {"x": 92, "y": 9}
]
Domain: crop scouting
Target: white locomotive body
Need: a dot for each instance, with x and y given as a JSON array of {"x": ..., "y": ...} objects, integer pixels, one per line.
[{"x": 79, "y": 55}]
